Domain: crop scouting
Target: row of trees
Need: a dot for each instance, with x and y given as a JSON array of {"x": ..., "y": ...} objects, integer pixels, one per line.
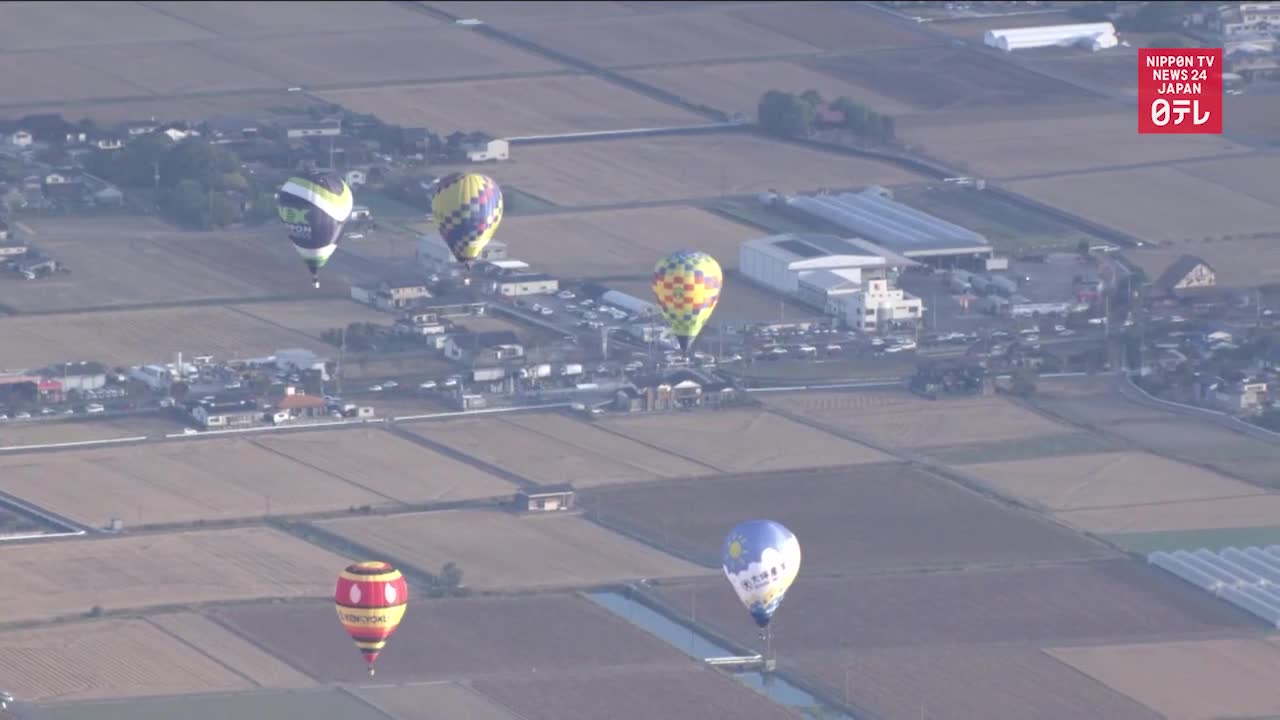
[
  {"x": 791, "y": 115},
  {"x": 359, "y": 337},
  {"x": 197, "y": 184}
]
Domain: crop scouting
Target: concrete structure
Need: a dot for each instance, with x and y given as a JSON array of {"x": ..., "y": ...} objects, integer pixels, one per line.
[
  {"x": 518, "y": 284},
  {"x": 392, "y": 295},
  {"x": 629, "y": 303},
  {"x": 877, "y": 306},
  {"x": 874, "y": 216},
  {"x": 226, "y": 415},
  {"x": 483, "y": 347},
  {"x": 548, "y": 498},
  {"x": 77, "y": 375},
  {"x": 1095, "y": 36},
  {"x": 486, "y": 151},
  {"x": 434, "y": 254}
]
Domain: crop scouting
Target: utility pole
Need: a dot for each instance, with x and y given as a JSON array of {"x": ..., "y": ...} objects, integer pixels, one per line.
[{"x": 342, "y": 350}]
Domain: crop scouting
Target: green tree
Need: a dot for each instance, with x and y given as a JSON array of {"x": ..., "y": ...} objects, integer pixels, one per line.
[
  {"x": 188, "y": 203},
  {"x": 1082, "y": 248},
  {"x": 855, "y": 113},
  {"x": 785, "y": 115},
  {"x": 813, "y": 97}
]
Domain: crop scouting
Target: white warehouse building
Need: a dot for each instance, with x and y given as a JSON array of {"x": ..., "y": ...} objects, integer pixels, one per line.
[
  {"x": 1095, "y": 36},
  {"x": 849, "y": 278}
]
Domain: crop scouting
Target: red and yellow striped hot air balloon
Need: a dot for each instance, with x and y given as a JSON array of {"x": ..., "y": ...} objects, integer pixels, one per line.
[{"x": 371, "y": 599}]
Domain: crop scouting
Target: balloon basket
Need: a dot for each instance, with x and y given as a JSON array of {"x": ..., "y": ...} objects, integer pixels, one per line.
[{"x": 371, "y": 672}]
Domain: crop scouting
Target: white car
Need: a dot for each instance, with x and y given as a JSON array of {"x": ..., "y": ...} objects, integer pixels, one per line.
[
  {"x": 390, "y": 384},
  {"x": 565, "y": 295},
  {"x": 94, "y": 408},
  {"x": 24, "y": 415},
  {"x": 189, "y": 431},
  {"x": 375, "y": 388},
  {"x": 451, "y": 382},
  {"x": 428, "y": 385},
  {"x": 546, "y": 311}
]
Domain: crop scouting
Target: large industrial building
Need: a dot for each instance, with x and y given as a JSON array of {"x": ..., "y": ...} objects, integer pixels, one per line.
[
  {"x": 849, "y": 278},
  {"x": 1095, "y": 36},
  {"x": 875, "y": 217}
]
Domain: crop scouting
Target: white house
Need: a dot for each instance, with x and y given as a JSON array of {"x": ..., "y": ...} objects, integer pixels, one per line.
[
  {"x": 486, "y": 151},
  {"x": 178, "y": 133},
  {"x": 356, "y": 178},
  {"x": 109, "y": 142},
  {"x": 1095, "y": 36},
  {"x": 877, "y": 305},
  {"x": 22, "y": 138}
]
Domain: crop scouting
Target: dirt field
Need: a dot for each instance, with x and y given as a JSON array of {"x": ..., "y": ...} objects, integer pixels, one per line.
[
  {"x": 273, "y": 18},
  {"x": 1032, "y": 448},
  {"x": 404, "y": 54},
  {"x": 493, "y": 549},
  {"x": 151, "y": 570},
  {"x": 871, "y": 518},
  {"x": 124, "y": 261},
  {"x": 506, "y": 12},
  {"x": 457, "y": 700},
  {"x": 171, "y": 69},
  {"x": 40, "y": 26},
  {"x": 683, "y": 166},
  {"x": 313, "y": 318},
  {"x": 1137, "y": 202},
  {"x": 622, "y": 242},
  {"x": 1198, "y": 680},
  {"x": 41, "y": 432},
  {"x": 1010, "y": 145},
  {"x": 949, "y": 78},
  {"x": 1244, "y": 175},
  {"x": 1252, "y": 118},
  {"x": 744, "y": 441},
  {"x": 976, "y": 28},
  {"x": 130, "y": 337},
  {"x": 1237, "y": 263},
  {"x": 107, "y": 659},
  {"x": 550, "y": 448},
  {"x": 1238, "y": 512},
  {"x": 277, "y": 704},
  {"x": 231, "y": 650},
  {"x": 634, "y": 694},
  {"x": 968, "y": 683},
  {"x": 737, "y": 87},
  {"x": 456, "y": 639},
  {"x": 68, "y": 81},
  {"x": 674, "y": 38},
  {"x": 836, "y": 27},
  {"x": 740, "y": 302},
  {"x": 387, "y": 465},
  {"x": 188, "y": 109},
  {"x": 1043, "y": 605},
  {"x": 902, "y": 420},
  {"x": 1108, "y": 480},
  {"x": 514, "y": 107}
]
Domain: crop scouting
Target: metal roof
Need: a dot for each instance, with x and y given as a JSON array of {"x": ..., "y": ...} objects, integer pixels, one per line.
[
  {"x": 1248, "y": 577},
  {"x": 831, "y": 279},
  {"x": 891, "y": 225}
]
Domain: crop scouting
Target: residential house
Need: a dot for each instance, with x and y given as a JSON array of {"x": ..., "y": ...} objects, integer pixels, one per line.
[
  {"x": 1246, "y": 396},
  {"x": 518, "y": 284},
  {"x": 178, "y": 132},
  {"x": 297, "y": 405},
  {"x": 77, "y": 375},
  {"x": 414, "y": 140},
  {"x": 230, "y": 128},
  {"x": 109, "y": 196},
  {"x": 685, "y": 388},
  {"x": 215, "y": 415},
  {"x": 64, "y": 176},
  {"x": 548, "y": 498},
  {"x": 141, "y": 127},
  {"x": 315, "y": 128},
  {"x": 360, "y": 213},
  {"x": 76, "y": 137},
  {"x": 487, "y": 150},
  {"x": 483, "y": 347},
  {"x": 1187, "y": 274},
  {"x": 356, "y": 178},
  {"x": 21, "y": 138}
]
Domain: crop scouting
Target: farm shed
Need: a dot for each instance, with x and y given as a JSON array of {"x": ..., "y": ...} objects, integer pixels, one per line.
[
  {"x": 545, "y": 499},
  {"x": 1095, "y": 35}
]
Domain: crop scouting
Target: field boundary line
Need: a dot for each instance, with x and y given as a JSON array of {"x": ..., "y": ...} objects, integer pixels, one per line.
[
  {"x": 270, "y": 428},
  {"x": 485, "y": 411},
  {"x": 75, "y": 443}
]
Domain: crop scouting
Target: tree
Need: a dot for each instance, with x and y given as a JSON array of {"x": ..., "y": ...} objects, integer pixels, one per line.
[
  {"x": 1168, "y": 40},
  {"x": 188, "y": 204},
  {"x": 785, "y": 115},
  {"x": 1082, "y": 248},
  {"x": 855, "y": 113},
  {"x": 1091, "y": 12},
  {"x": 46, "y": 127},
  {"x": 813, "y": 97}
]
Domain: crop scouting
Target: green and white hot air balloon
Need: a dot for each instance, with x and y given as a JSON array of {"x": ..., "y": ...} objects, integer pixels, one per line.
[{"x": 314, "y": 207}]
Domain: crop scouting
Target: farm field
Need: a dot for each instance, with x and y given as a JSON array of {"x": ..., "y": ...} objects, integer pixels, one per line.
[
  {"x": 446, "y": 700},
  {"x": 133, "y": 261},
  {"x": 950, "y": 78},
  {"x": 191, "y": 109},
  {"x": 15, "y": 433},
  {"x": 1194, "y": 680},
  {"x": 740, "y": 302},
  {"x": 152, "y": 570},
  {"x": 1033, "y": 448},
  {"x": 1136, "y": 202},
  {"x": 1092, "y": 402},
  {"x": 281, "y": 704},
  {"x": 743, "y": 440},
  {"x": 131, "y": 337},
  {"x": 968, "y": 683},
  {"x": 275, "y": 18},
  {"x": 312, "y": 317},
  {"x": 173, "y": 69},
  {"x": 738, "y": 86},
  {"x": 386, "y": 465},
  {"x": 67, "y": 81},
  {"x": 458, "y": 638},
  {"x": 107, "y": 659},
  {"x": 231, "y": 650},
  {"x": 902, "y": 420},
  {"x": 1237, "y": 262},
  {"x": 36, "y": 26},
  {"x": 1008, "y": 227},
  {"x": 1048, "y": 141},
  {"x": 1110, "y": 480},
  {"x": 1244, "y": 175},
  {"x": 1043, "y": 605},
  {"x": 673, "y": 38},
  {"x": 610, "y": 243},
  {"x": 1253, "y": 119},
  {"x": 870, "y": 519},
  {"x": 634, "y": 694},
  {"x": 974, "y": 29},
  {"x": 405, "y": 54},
  {"x": 493, "y": 548},
  {"x": 549, "y": 448},
  {"x": 506, "y": 12},
  {"x": 836, "y": 27},
  {"x": 217, "y": 479},
  {"x": 514, "y": 107},
  {"x": 1237, "y": 512},
  {"x": 679, "y": 167},
  {"x": 1109, "y": 72}
]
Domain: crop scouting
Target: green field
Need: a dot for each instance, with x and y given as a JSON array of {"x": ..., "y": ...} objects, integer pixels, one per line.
[
  {"x": 1214, "y": 540},
  {"x": 1022, "y": 449},
  {"x": 1010, "y": 229},
  {"x": 517, "y": 202},
  {"x": 750, "y": 211}
]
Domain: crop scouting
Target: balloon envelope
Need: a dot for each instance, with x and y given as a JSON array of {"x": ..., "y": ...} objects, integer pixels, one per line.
[
  {"x": 687, "y": 284},
  {"x": 761, "y": 559},
  {"x": 370, "y": 599},
  {"x": 314, "y": 207},
  {"x": 467, "y": 209}
]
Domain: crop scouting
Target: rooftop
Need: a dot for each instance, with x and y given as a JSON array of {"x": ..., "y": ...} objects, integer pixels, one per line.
[
  {"x": 494, "y": 338},
  {"x": 299, "y": 402},
  {"x": 525, "y": 277},
  {"x": 1178, "y": 270},
  {"x": 820, "y": 251},
  {"x": 74, "y": 369},
  {"x": 873, "y": 214}
]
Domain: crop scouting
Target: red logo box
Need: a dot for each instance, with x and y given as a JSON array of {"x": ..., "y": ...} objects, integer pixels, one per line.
[{"x": 1180, "y": 91}]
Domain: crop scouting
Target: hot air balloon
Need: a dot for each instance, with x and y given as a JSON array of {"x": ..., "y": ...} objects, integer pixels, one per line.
[
  {"x": 314, "y": 206},
  {"x": 687, "y": 284},
  {"x": 467, "y": 209},
  {"x": 761, "y": 559},
  {"x": 370, "y": 599}
]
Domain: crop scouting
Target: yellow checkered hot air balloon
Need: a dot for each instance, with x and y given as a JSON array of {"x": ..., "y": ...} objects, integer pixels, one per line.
[
  {"x": 467, "y": 209},
  {"x": 687, "y": 284}
]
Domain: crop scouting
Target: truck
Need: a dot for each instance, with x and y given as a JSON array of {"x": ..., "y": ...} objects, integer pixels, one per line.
[
  {"x": 1003, "y": 285},
  {"x": 570, "y": 369},
  {"x": 535, "y": 372},
  {"x": 489, "y": 374}
]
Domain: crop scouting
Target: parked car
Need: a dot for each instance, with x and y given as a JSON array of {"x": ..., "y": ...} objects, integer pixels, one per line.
[{"x": 94, "y": 408}]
